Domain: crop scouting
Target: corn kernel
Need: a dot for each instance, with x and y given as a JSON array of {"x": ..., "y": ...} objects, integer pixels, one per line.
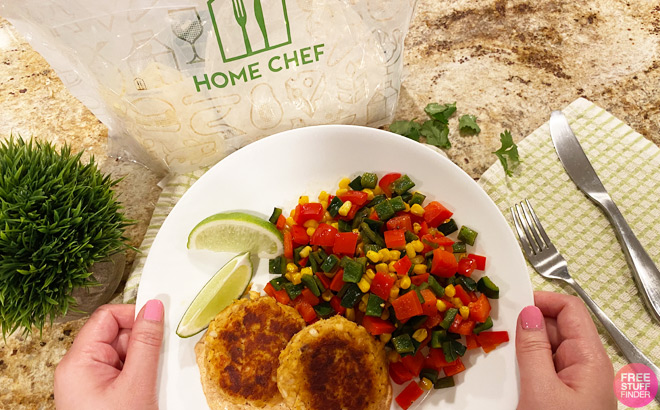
[
  {"x": 457, "y": 302},
  {"x": 378, "y": 190},
  {"x": 306, "y": 271},
  {"x": 373, "y": 256},
  {"x": 419, "y": 269},
  {"x": 310, "y": 231},
  {"x": 326, "y": 217},
  {"x": 345, "y": 208},
  {"x": 290, "y": 221},
  {"x": 405, "y": 282},
  {"x": 393, "y": 356},
  {"x": 311, "y": 223},
  {"x": 324, "y": 204},
  {"x": 440, "y": 305},
  {"x": 304, "y": 199},
  {"x": 365, "y": 298},
  {"x": 418, "y": 246},
  {"x": 410, "y": 251},
  {"x": 350, "y": 314},
  {"x": 291, "y": 267},
  {"x": 356, "y": 230},
  {"x": 425, "y": 384},
  {"x": 385, "y": 315},
  {"x": 323, "y": 196},
  {"x": 394, "y": 292},
  {"x": 296, "y": 278},
  {"x": 464, "y": 311},
  {"x": 360, "y": 248},
  {"x": 344, "y": 183},
  {"x": 384, "y": 255},
  {"x": 416, "y": 227},
  {"x": 327, "y": 295},
  {"x": 391, "y": 267},
  {"x": 382, "y": 268},
  {"x": 450, "y": 291},
  {"x": 288, "y": 276},
  {"x": 420, "y": 335},
  {"x": 304, "y": 252},
  {"x": 362, "y": 307},
  {"x": 364, "y": 285},
  {"x": 407, "y": 207},
  {"x": 417, "y": 210},
  {"x": 385, "y": 337},
  {"x": 419, "y": 259},
  {"x": 369, "y": 192},
  {"x": 395, "y": 255},
  {"x": 335, "y": 225},
  {"x": 341, "y": 191},
  {"x": 370, "y": 273}
]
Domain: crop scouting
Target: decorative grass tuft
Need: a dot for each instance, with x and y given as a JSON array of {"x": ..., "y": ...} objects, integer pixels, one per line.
[{"x": 58, "y": 217}]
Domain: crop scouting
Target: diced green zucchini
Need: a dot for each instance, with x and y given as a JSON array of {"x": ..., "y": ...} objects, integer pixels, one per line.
[
  {"x": 377, "y": 199},
  {"x": 369, "y": 180},
  {"x": 371, "y": 247},
  {"x": 330, "y": 264},
  {"x": 417, "y": 198},
  {"x": 275, "y": 215},
  {"x": 310, "y": 283},
  {"x": 278, "y": 283},
  {"x": 459, "y": 247},
  {"x": 397, "y": 204},
  {"x": 334, "y": 205},
  {"x": 356, "y": 184},
  {"x": 402, "y": 184},
  {"x": 466, "y": 283},
  {"x": 375, "y": 306},
  {"x": 467, "y": 235},
  {"x": 360, "y": 216},
  {"x": 324, "y": 310},
  {"x": 449, "y": 318},
  {"x": 293, "y": 290},
  {"x": 488, "y": 324},
  {"x": 351, "y": 295},
  {"x": 444, "y": 382},
  {"x": 403, "y": 344},
  {"x": 410, "y": 236},
  {"x": 277, "y": 266},
  {"x": 353, "y": 270},
  {"x": 431, "y": 374},
  {"x": 437, "y": 337},
  {"x": 344, "y": 226},
  {"x": 448, "y": 227},
  {"x": 373, "y": 224},
  {"x": 384, "y": 210},
  {"x": 371, "y": 235},
  {"x": 488, "y": 288}
]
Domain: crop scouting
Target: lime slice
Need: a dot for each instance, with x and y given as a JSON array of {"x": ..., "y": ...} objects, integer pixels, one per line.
[
  {"x": 237, "y": 232},
  {"x": 220, "y": 291}
]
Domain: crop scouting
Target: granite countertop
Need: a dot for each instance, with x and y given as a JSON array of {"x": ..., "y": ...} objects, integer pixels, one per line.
[{"x": 508, "y": 62}]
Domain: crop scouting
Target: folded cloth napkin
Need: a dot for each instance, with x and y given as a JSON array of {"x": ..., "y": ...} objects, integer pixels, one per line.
[{"x": 629, "y": 167}]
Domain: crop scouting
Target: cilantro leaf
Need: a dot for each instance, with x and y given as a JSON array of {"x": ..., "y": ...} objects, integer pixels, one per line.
[
  {"x": 467, "y": 124},
  {"x": 508, "y": 153},
  {"x": 408, "y": 129},
  {"x": 440, "y": 112},
  {"x": 436, "y": 133}
]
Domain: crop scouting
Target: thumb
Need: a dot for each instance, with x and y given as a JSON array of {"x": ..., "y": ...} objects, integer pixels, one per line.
[
  {"x": 534, "y": 354},
  {"x": 143, "y": 352}
]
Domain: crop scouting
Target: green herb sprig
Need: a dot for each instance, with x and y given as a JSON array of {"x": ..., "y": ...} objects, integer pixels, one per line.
[
  {"x": 508, "y": 153},
  {"x": 58, "y": 217}
]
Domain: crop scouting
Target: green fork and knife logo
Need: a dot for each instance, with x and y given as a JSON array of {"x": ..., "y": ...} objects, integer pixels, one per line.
[{"x": 245, "y": 31}]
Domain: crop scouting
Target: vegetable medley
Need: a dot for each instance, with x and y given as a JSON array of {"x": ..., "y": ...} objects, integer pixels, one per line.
[{"x": 379, "y": 253}]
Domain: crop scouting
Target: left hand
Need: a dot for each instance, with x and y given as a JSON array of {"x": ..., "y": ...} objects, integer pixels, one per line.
[{"x": 113, "y": 362}]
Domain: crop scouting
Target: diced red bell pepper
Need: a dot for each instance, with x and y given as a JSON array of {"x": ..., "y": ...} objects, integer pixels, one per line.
[
  {"x": 436, "y": 359},
  {"x": 303, "y": 262},
  {"x": 395, "y": 239},
  {"x": 345, "y": 243},
  {"x": 480, "y": 310},
  {"x": 403, "y": 265},
  {"x": 490, "y": 340},
  {"x": 429, "y": 306},
  {"x": 381, "y": 285},
  {"x": 386, "y": 181},
  {"x": 454, "y": 368},
  {"x": 419, "y": 279},
  {"x": 299, "y": 235},
  {"x": 462, "y": 294},
  {"x": 471, "y": 342},
  {"x": 324, "y": 279},
  {"x": 324, "y": 235},
  {"x": 357, "y": 198},
  {"x": 433, "y": 320},
  {"x": 435, "y": 213},
  {"x": 423, "y": 228},
  {"x": 465, "y": 328},
  {"x": 335, "y": 302},
  {"x": 269, "y": 290},
  {"x": 306, "y": 311},
  {"x": 281, "y": 222},
  {"x": 400, "y": 222},
  {"x": 288, "y": 245},
  {"x": 414, "y": 363},
  {"x": 408, "y": 395},
  {"x": 279, "y": 295},
  {"x": 479, "y": 260},
  {"x": 399, "y": 373},
  {"x": 337, "y": 281},
  {"x": 377, "y": 326},
  {"x": 309, "y": 297},
  {"x": 436, "y": 241},
  {"x": 456, "y": 323},
  {"x": 407, "y": 306},
  {"x": 466, "y": 266},
  {"x": 444, "y": 263},
  {"x": 308, "y": 211}
]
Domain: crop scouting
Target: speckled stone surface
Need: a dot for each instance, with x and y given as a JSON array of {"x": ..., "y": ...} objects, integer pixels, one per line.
[{"x": 508, "y": 62}]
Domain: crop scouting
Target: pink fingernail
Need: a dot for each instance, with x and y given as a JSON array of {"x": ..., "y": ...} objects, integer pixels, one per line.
[
  {"x": 153, "y": 310},
  {"x": 531, "y": 318}
]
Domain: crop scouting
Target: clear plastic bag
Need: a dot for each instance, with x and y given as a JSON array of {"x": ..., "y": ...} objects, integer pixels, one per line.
[{"x": 181, "y": 84}]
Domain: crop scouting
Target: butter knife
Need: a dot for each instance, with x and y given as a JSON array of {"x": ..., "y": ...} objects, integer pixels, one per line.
[{"x": 578, "y": 167}]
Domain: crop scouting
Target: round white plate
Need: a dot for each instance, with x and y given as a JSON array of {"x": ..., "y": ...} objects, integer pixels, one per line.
[{"x": 274, "y": 172}]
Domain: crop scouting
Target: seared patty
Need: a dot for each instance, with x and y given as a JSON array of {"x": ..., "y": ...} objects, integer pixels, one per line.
[{"x": 334, "y": 364}]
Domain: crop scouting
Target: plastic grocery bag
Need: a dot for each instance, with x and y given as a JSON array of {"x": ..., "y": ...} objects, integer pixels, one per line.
[{"x": 181, "y": 84}]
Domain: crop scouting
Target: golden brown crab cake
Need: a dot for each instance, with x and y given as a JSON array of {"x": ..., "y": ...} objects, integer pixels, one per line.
[
  {"x": 238, "y": 356},
  {"x": 334, "y": 364}
]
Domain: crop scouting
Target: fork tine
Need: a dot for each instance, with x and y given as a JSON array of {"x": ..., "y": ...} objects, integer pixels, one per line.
[
  {"x": 242, "y": 6},
  {"x": 534, "y": 224},
  {"x": 233, "y": 5},
  {"x": 521, "y": 233},
  {"x": 527, "y": 227},
  {"x": 538, "y": 223}
]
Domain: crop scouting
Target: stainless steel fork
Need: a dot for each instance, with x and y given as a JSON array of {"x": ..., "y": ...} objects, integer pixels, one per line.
[{"x": 549, "y": 263}]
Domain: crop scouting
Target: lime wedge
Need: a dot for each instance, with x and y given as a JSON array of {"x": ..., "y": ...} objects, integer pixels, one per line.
[
  {"x": 237, "y": 232},
  {"x": 220, "y": 291}
]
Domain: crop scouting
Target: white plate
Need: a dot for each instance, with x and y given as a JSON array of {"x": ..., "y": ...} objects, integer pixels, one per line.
[{"x": 275, "y": 171}]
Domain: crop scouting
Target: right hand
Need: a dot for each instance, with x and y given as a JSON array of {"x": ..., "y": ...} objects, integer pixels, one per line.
[{"x": 562, "y": 362}]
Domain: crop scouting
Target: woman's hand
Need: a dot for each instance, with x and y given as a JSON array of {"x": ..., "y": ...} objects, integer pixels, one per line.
[
  {"x": 562, "y": 362},
  {"x": 113, "y": 362}
]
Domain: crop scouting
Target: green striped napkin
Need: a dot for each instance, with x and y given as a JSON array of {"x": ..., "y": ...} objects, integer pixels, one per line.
[{"x": 629, "y": 166}]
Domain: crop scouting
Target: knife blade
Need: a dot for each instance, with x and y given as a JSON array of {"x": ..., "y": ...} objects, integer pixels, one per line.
[{"x": 580, "y": 170}]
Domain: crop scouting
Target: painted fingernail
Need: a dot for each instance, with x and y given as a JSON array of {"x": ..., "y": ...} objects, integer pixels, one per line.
[
  {"x": 531, "y": 318},
  {"x": 153, "y": 310}
]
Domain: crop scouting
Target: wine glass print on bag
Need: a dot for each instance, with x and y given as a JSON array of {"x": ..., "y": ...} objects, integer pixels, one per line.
[{"x": 187, "y": 26}]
